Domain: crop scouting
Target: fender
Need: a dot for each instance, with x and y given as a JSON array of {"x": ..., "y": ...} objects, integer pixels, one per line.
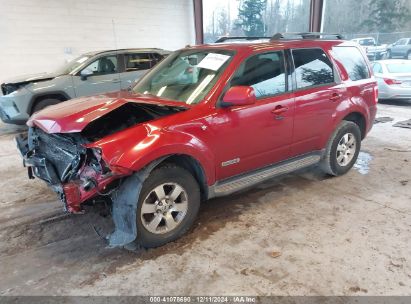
[
  {"x": 151, "y": 143},
  {"x": 155, "y": 147},
  {"x": 346, "y": 107},
  {"x": 45, "y": 94}
]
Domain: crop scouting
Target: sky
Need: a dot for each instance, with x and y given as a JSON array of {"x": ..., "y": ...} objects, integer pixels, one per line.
[{"x": 210, "y": 5}]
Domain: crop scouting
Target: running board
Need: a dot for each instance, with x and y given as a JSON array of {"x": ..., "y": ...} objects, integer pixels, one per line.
[{"x": 240, "y": 182}]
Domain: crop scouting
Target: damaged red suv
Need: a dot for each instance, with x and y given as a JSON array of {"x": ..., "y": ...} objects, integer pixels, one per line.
[{"x": 207, "y": 121}]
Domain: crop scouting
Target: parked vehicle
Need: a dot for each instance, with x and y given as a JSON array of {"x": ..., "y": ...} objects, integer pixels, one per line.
[
  {"x": 372, "y": 49},
  {"x": 207, "y": 121},
  {"x": 394, "y": 78},
  {"x": 89, "y": 74},
  {"x": 400, "y": 49}
]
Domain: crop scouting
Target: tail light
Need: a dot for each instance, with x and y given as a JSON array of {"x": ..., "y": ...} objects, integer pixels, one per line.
[
  {"x": 376, "y": 94},
  {"x": 391, "y": 81}
]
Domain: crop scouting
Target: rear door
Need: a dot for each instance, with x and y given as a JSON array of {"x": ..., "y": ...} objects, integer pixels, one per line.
[
  {"x": 317, "y": 95},
  {"x": 136, "y": 65},
  {"x": 105, "y": 77}
]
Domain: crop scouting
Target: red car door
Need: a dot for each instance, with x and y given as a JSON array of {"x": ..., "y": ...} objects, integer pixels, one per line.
[
  {"x": 254, "y": 136},
  {"x": 317, "y": 96}
]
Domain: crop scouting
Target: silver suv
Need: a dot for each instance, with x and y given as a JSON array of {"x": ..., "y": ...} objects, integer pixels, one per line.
[{"x": 89, "y": 74}]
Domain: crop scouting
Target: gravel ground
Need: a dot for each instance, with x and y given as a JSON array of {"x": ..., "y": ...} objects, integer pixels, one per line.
[{"x": 303, "y": 234}]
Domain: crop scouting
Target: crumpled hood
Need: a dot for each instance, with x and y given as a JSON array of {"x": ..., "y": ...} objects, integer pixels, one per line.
[
  {"x": 30, "y": 78},
  {"x": 74, "y": 115}
]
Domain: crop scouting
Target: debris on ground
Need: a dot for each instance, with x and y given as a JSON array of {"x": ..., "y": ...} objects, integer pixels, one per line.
[
  {"x": 275, "y": 254},
  {"x": 383, "y": 119},
  {"x": 397, "y": 150},
  {"x": 403, "y": 124},
  {"x": 404, "y": 182},
  {"x": 357, "y": 289}
]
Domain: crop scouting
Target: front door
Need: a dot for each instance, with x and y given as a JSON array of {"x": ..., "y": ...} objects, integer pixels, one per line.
[
  {"x": 105, "y": 77},
  {"x": 257, "y": 135},
  {"x": 399, "y": 49}
]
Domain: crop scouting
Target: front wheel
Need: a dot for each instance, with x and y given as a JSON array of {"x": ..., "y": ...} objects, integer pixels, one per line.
[
  {"x": 388, "y": 56},
  {"x": 408, "y": 56},
  {"x": 342, "y": 149},
  {"x": 168, "y": 205},
  {"x": 42, "y": 104}
]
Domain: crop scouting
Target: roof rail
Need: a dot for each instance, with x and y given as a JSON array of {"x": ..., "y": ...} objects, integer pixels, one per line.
[
  {"x": 306, "y": 35},
  {"x": 226, "y": 38}
]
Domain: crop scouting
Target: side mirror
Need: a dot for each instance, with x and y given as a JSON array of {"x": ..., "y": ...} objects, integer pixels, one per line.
[
  {"x": 239, "y": 96},
  {"x": 85, "y": 73}
]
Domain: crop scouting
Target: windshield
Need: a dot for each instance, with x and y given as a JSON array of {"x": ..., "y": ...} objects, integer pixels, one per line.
[
  {"x": 367, "y": 41},
  {"x": 186, "y": 75},
  {"x": 396, "y": 68},
  {"x": 72, "y": 65}
]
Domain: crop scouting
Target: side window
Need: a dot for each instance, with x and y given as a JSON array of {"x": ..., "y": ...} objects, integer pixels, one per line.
[
  {"x": 156, "y": 58},
  {"x": 264, "y": 72},
  {"x": 377, "y": 68},
  {"x": 138, "y": 62},
  {"x": 312, "y": 67},
  {"x": 104, "y": 65},
  {"x": 401, "y": 42},
  {"x": 353, "y": 61}
]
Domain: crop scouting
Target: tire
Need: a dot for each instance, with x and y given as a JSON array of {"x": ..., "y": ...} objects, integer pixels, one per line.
[
  {"x": 332, "y": 162},
  {"x": 389, "y": 55},
  {"x": 152, "y": 210},
  {"x": 408, "y": 56},
  {"x": 44, "y": 104}
]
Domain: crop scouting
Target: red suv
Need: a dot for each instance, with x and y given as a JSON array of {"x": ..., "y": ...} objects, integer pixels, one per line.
[{"x": 207, "y": 121}]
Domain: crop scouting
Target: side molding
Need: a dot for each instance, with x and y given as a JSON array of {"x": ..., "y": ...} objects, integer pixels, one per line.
[{"x": 243, "y": 181}]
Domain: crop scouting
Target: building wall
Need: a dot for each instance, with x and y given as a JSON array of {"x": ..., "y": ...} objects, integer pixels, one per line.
[{"x": 40, "y": 35}]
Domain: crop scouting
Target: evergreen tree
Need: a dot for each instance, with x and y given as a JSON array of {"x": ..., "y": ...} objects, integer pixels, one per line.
[
  {"x": 386, "y": 16},
  {"x": 250, "y": 17}
]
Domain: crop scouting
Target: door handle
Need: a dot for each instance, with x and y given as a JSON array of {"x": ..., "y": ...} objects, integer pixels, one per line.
[
  {"x": 335, "y": 97},
  {"x": 279, "y": 110}
]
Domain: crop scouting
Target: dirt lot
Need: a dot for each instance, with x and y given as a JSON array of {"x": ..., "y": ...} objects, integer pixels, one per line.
[{"x": 303, "y": 234}]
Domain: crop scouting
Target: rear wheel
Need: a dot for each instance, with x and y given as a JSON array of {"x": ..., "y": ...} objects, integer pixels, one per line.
[
  {"x": 40, "y": 105},
  {"x": 167, "y": 207},
  {"x": 342, "y": 149}
]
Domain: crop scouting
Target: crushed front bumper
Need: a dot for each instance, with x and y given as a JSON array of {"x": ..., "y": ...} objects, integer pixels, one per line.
[{"x": 73, "y": 179}]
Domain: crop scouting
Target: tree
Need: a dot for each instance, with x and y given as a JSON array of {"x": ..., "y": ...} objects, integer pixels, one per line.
[
  {"x": 250, "y": 17},
  {"x": 223, "y": 23},
  {"x": 386, "y": 16}
]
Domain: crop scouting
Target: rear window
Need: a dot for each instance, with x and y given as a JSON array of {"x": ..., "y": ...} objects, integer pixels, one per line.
[
  {"x": 312, "y": 68},
  {"x": 397, "y": 68},
  {"x": 353, "y": 61}
]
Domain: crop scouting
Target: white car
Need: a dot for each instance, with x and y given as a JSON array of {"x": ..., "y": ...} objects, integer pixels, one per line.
[
  {"x": 373, "y": 50},
  {"x": 394, "y": 78}
]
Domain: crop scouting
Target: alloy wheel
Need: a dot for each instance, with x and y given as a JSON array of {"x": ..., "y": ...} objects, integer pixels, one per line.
[
  {"x": 164, "y": 208},
  {"x": 346, "y": 149}
]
